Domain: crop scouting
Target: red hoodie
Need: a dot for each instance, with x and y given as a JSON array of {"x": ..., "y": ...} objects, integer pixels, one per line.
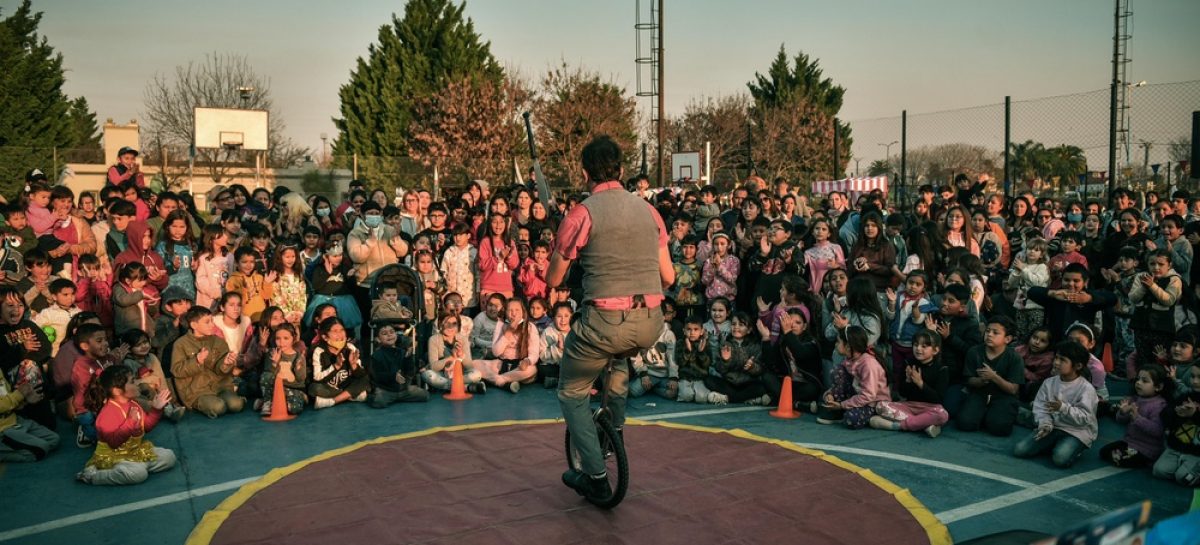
[{"x": 135, "y": 254}]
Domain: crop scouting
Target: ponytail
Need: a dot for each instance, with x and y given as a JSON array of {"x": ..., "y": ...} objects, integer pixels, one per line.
[{"x": 98, "y": 392}]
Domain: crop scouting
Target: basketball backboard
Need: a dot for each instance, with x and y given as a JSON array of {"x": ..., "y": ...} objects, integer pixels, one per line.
[
  {"x": 686, "y": 165},
  {"x": 230, "y": 128}
]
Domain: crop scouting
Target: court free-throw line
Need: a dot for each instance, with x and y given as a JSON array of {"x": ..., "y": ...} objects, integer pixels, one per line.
[
  {"x": 1020, "y": 496},
  {"x": 122, "y": 509}
]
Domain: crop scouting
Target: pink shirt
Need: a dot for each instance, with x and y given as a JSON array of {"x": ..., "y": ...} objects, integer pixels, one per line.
[{"x": 573, "y": 235}]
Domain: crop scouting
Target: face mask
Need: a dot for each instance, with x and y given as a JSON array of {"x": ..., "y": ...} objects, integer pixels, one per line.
[
  {"x": 373, "y": 221},
  {"x": 322, "y": 212},
  {"x": 337, "y": 346},
  {"x": 1074, "y": 218}
]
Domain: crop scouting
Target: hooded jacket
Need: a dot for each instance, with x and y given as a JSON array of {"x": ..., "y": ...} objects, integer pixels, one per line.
[{"x": 135, "y": 254}]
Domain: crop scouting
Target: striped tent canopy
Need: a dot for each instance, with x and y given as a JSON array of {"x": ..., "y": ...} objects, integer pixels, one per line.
[{"x": 853, "y": 187}]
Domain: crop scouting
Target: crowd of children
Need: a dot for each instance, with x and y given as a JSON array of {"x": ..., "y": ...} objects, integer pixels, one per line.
[{"x": 123, "y": 307}]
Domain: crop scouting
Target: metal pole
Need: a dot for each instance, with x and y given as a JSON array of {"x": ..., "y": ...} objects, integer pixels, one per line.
[
  {"x": 662, "y": 128},
  {"x": 835, "y": 150},
  {"x": 1007, "y": 145},
  {"x": 708, "y": 163},
  {"x": 54, "y": 172},
  {"x": 1112, "y": 107},
  {"x": 645, "y": 158},
  {"x": 355, "y": 172},
  {"x": 903, "y": 153}
]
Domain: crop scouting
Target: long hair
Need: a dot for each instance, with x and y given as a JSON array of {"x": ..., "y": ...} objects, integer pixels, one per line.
[
  {"x": 862, "y": 298},
  {"x": 522, "y": 328},
  {"x": 278, "y": 267},
  {"x": 208, "y": 236},
  {"x": 98, "y": 392},
  {"x": 168, "y": 244}
]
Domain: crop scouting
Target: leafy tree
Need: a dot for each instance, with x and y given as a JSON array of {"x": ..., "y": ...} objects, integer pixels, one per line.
[
  {"x": 433, "y": 46},
  {"x": 85, "y": 131},
  {"x": 472, "y": 127},
  {"x": 939, "y": 164},
  {"x": 879, "y": 167},
  {"x": 213, "y": 83},
  {"x": 793, "y": 93},
  {"x": 36, "y": 116},
  {"x": 1039, "y": 166},
  {"x": 573, "y": 107}
]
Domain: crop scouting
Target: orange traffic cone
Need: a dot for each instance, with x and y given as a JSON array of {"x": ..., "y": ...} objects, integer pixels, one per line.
[
  {"x": 458, "y": 389},
  {"x": 785, "y": 409},
  {"x": 279, "y": 411},
  {"x": 1106, "y": 358}
]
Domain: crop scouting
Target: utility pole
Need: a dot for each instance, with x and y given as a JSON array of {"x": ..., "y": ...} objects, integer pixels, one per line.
[
  {"x": 662, "y": 127},
  {"x": 1146, "y": 154}
]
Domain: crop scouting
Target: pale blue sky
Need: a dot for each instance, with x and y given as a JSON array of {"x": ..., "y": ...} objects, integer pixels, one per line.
[{"x": 921, "y": 55}]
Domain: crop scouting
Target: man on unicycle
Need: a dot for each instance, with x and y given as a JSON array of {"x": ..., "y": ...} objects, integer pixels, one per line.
[{"x": 620, "y": 242}]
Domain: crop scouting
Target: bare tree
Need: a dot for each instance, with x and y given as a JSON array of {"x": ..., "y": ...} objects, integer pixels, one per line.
[
  {"x": 213, "y": 83},
  {"x": 573, "y": 107},
  {"x": 721, "y": 121},
  {"x": 473, "y": 125}
]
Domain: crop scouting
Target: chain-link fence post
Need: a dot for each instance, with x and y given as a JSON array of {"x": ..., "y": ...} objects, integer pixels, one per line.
[
  {"x": 1007, "y": 146},
  {"x": 903, "y": 153}
]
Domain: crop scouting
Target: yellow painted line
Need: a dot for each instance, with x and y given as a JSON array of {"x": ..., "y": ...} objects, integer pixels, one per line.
[{"x": 204, "y": 532}]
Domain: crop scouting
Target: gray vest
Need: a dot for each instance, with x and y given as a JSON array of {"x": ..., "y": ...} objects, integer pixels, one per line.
[{"x": 621, "y": 255}]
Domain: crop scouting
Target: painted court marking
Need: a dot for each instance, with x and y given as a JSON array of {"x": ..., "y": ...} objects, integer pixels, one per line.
[
  {"x": 1029, "y": 490},
  {"x": 1020, "y": 496}
]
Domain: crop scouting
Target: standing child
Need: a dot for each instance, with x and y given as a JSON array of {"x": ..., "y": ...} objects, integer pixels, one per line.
[
  {"x": 994, "y": 374},
  {"x": 1154, "y": 295},
  {"x": 131, "y": 305},
  {"x": 176, "y": 251},
  {"x": 859, "y": 383},
  {"x": 287, "y": 362},
  {"x": 35, "y": 288},
  {"x": 925, "y": 381},
  {"x": 532, "y": 275},
  {"x": 431, "y": 279},
  {"x": 458, "y": 266},
  {"x": 720, "y": 270},
  {"x": 93, "y": 288},
  {"x": 254, "y": 288},
  {"x": 212, "y": 266},
  {"x": 59, "y": 314},
  {"x": 312, "y": 246},
  {"x": 823, "y": 255},
  {"x": 1143, "y": 441},
  {"x": 123, "y": 455},
  {"x": 688, "y": 292},
  {"x": 1121, "y": 279},
  {"x": 392, "y": 366},
  {"x": 1065, "y": 410},
  {"x": 694, "y": 360},
  {"x": 1072, "y": 243},
  {"x": 907, "y": 319},
  {"x": 1027, "y": 273},
  {"x": 291, "y": 291}
]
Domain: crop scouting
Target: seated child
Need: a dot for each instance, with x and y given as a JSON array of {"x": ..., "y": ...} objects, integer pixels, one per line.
[
  {"x": 123, "y": 455},
  {"x": 993, "y": 373},
  {"x": 1039, "y": 362},
  {"x": 799, "y": 358},
  {"x": 35, "y": 287},
  {"x": 59, "y": 313},
  {"x": 445, "y": 348},
  {"x": 148, "y": 373},
  {"x": 925, "y": 380},
  {"x": 22, "y": 439},
  {"x": 654, "y": 368},
  {"x": 388, "y": 308},
  {"x": 392, "y": 368},
  {"x": 92, "y": 340},
  {"x": 1143, "y": 441},
  {"x": 859, "y": 383},
  {"x": 739, "y": 365},
  {"x": 554, "y": 339},
  {"x": 1180, "y": 461},
  {"x": 694, "y": 360},
  {"x": 1083, "y": 334},
  {"x": 284, "y": 360},
  {"x": 1065, "y": 410}
]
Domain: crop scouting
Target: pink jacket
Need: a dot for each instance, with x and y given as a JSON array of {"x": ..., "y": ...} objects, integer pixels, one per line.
[
  {"x": 495, "y": 274},
  {"x": 721, "y": 281},
  {"x": 870, "y": 381}
]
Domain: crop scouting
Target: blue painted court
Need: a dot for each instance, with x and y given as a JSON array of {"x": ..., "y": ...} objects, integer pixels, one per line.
[{"x": 970, "y": 482}]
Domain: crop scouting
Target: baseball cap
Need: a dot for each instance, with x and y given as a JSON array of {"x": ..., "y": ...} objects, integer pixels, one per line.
[
  {"x": 35, "y": 175},
  {"x": 127, "y": 149}
]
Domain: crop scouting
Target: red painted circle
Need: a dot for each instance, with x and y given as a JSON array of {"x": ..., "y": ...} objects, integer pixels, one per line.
[{"x": 501, "y": 485}]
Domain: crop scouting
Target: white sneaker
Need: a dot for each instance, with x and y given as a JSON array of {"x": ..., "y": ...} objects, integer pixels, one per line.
[
  {"x": 361, "y": 397},
  {"x": 266, "y": 408},
  {"x": 86, "y": 475},
  {"x": 258, "y": 404},
  {"x": 718, "y": 399},
  {"x": 514, "y": 386},
  {"x": 933, "y": 431},
  {"x": 323, "y": 402}
]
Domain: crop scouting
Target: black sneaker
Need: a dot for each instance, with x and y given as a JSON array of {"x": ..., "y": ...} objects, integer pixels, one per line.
[
  {"x": 477, "y": 388},
  {"x": 592, "y": 488},
  {"x": 829, "y": 416},
  {"x": 81, "y": 440}
]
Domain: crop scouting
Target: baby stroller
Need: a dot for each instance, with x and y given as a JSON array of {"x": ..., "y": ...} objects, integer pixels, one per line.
[{"x": 407, "y": 317}]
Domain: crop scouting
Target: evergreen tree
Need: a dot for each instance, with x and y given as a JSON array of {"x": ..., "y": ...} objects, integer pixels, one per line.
[
  {"x": 795, "y": 84},
  {"x": 432, "y": 46},
  {"x": 85, "y": 133},
  {"x": 36, "y": 117}
]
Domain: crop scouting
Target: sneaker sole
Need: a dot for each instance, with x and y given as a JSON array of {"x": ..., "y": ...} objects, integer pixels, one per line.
[
  {"x": 933, "y": 431},
  {"x": 828, "y": 421}
]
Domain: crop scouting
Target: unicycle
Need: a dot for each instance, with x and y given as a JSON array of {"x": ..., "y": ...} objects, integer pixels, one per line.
[{"x": 611, "y": 445}]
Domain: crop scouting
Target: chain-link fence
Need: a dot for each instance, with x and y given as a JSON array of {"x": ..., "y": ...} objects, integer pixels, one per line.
[{"x": 1057, "y": 144}]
